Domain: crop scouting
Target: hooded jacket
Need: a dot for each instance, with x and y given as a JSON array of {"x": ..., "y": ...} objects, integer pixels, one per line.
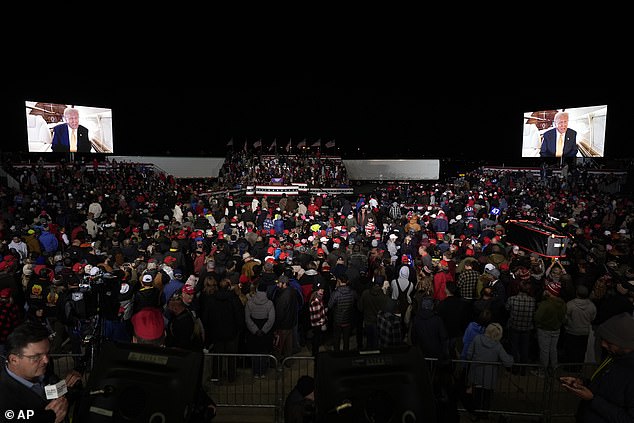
[
  {"x": 484, "y": 349},
  {"x": 580, "y": 312},
  {"x": 402, "y": 282}
]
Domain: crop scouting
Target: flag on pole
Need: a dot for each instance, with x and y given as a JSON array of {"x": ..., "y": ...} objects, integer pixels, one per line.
[
  {"x": 245, "y": 146},
  {"x": 316, "y": 143},
  {"x": 330, "y": 144},
  {"x": 258, "y": 143},
  {"x": 302, "y": 143},
  {"x": 230, "y": 143},
  {"x": 273, "y": 145},
  {"x": 288, "y": 146}
]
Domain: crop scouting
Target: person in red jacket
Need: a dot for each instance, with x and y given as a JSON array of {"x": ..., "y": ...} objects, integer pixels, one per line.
[{"x": 441, "y": 278}]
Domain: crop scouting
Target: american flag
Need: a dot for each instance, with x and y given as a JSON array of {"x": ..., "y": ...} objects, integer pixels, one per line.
[
  {"x": 316, "y": 143},
  {"x": 273, "y": 145},
  {"x": 302, "y": 143},
  {"x": 330, "y": 144}
]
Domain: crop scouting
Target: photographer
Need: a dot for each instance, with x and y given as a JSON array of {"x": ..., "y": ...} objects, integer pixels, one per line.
[
  {"x": 115, "y": 297},
  {"x": 76, "y": 312}
]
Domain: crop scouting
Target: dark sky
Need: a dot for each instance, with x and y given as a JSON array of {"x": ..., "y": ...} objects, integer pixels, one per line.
[{"x": 372, "y": 108}]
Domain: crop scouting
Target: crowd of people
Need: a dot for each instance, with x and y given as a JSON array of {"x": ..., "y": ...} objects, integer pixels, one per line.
[
  {"x": 423, "y": 264},
  {"x": 246, "y": 169}
]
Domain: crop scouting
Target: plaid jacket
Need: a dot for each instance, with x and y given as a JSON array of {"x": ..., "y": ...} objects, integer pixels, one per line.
[{"x": 317, "y": 311}]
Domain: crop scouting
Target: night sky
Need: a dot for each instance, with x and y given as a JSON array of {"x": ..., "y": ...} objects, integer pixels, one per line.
[{"x": 371, "y": 108}]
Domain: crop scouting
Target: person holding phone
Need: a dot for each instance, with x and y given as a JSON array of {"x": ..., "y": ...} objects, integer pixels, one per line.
[
  {"x": 71, "y": 137},
  {"x": 608, "y": 395}
]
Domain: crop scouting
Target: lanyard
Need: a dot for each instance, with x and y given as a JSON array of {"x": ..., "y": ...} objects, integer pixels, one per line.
[{"x": 603, "y": 365}]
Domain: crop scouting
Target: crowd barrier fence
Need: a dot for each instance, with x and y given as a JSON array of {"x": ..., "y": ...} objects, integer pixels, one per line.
[{"x": 524, "y": 392}]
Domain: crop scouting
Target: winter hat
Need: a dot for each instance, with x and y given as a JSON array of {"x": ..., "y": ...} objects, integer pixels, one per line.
[
  {"x": 553, "y": 288},
  {"x": 188, "y": 289},
  {"x": 492, "y": 270},
  {"x": 27, "y": 269},
  {"x": 618, "y": 330}
]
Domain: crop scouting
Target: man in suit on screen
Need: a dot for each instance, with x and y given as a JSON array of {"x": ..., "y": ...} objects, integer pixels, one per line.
[
  {"x": 71, "y": 136},
  {"x": 559, "y": 141}
]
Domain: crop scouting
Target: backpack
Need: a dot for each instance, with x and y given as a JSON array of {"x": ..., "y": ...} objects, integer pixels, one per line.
[{"x": 403, "y": 298}]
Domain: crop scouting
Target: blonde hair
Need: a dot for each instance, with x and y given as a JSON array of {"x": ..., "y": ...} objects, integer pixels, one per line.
[{"x": 494, "y": 331}]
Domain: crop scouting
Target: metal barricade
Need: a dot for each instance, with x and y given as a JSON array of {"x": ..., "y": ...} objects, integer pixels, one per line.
[
  {"x": 291, "y": 370},
  {"x": 241, "y": 380},
  {"x": 562, "y": 405},
  {"x": 64, "y": 363},
  {"x": 524, "y": 390},
  {"x": 521, "y": 392}
]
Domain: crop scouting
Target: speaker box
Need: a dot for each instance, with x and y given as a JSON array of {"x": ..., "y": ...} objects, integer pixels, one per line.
[
  {"x": 141, "y": 383},
  {"x": 391, "y": 385}
]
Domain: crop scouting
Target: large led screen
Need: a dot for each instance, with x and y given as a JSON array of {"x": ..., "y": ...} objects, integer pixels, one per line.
[
  {"x": 49, "y": 128},
  {"x": 582, "y": 131}
]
